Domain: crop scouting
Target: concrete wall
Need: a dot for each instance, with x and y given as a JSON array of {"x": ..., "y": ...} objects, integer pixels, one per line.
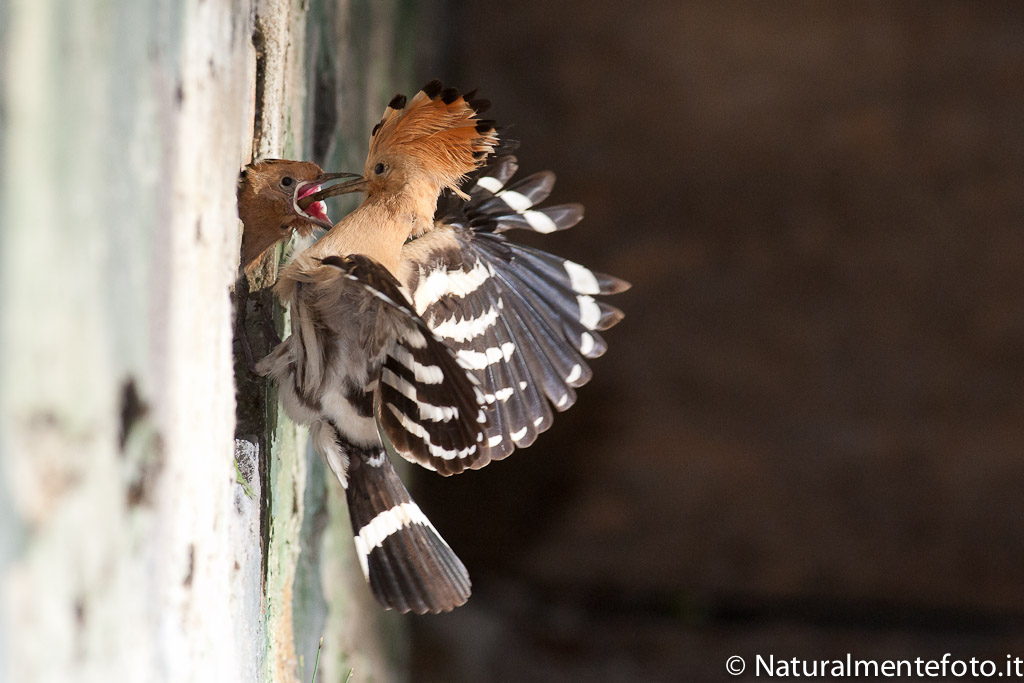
[{"x": 132, "y": 547}]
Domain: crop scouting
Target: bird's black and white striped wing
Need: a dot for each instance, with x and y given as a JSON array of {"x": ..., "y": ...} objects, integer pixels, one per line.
[
  {"x": 428, "y": 405},
  {"x": 522, "y": 320},
  {"x": 495, "y": 207}
]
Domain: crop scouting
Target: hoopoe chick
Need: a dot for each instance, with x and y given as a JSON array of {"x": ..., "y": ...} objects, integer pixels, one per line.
[
  {"x": 430, "y": 330},
  {"x": 269, "y": 191}
]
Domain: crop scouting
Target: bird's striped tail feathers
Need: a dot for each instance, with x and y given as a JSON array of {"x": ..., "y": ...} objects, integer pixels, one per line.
[
  {"x": 428, "y": 403},
  {"x": 409, "y": 567}
]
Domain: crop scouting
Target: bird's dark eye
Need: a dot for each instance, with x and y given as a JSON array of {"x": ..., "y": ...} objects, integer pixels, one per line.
[
  {"x": 287, "y": 181},
  {"x": 379, "y": 168}
]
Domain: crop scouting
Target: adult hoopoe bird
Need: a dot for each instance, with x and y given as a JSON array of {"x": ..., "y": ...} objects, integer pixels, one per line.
[{"x": 425, "y": 328}]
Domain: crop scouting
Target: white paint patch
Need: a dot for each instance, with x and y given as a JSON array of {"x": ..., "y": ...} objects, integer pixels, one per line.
[
  {"x": 523, "y": 385},
  {"x": 518, "y": 436},
  {"x": 377, "y": 460},
  {"x": 478, "y": 360},
  {"x": 574, "y": 374},
  {"x": 538, "y": 422},
  {"x": 469, "y": 328},
  {"x": 590, "y": 312},
  {"x": 517, "y": 202},
  {"x": 373, "y": 534},
  {"x": 586, "y": 344},
  {"x": 417, "y": 429},
  {"x": 495, "y": 440},
  {"x": 540, "y": 221},
  {"x": 562, "y": 401},
  {"x": 490, "y": 183},
  {"x": 441, "y": 283},
  {"x": 581, "y": 278},
  {"x": 427, "y": 374}
]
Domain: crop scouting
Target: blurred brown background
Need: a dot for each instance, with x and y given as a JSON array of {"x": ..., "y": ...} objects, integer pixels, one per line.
[{"x": 806, "y": 436}]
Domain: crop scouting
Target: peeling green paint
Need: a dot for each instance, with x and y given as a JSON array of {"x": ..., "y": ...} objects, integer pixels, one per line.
[{"x": 313, "y": 585}]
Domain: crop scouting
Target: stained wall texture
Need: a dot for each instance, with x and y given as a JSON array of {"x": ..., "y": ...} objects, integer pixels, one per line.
[
  {"x": 139, "y": 540},
  {"x": 124, "y": 126}
]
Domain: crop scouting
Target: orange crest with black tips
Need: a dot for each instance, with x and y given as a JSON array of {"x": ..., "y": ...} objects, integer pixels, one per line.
[{"x": 439, "y": 128}]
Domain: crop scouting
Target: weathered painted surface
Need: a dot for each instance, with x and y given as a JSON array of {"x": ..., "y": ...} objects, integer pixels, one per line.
[
  {"x": 357, "y": 52},
  {"x": 125, "y": 126},
  {"x": 132, "y": 546}
]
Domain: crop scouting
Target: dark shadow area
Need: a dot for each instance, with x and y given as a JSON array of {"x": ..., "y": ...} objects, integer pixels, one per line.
[{"x": 806, "y": 437}]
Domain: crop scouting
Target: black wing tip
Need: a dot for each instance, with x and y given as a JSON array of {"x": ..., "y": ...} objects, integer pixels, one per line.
[
  {"x": 575, "y": 209},
  {"x": 507, "y": 162},
  {"x": 610, "y": 316},
  {"x": 610, "y": 284}
]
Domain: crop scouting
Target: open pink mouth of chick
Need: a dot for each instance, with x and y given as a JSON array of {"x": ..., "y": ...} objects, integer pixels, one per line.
[{"x": 316, "y": 210}]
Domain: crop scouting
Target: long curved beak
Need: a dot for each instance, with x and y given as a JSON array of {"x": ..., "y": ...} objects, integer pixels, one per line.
[
  {"x": 357, "y": 185},
  {"x": 324, "y": 177}
]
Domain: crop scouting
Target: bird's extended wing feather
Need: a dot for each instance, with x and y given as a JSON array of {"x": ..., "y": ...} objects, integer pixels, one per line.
[
  {"x": 522, "y": 320},
  {"x": 428, "y": 405}
]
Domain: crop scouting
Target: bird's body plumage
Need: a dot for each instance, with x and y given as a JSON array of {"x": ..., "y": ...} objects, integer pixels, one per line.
[
  {"x": 353, "y": 341},
  {"x": 430, "y": 330}
]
